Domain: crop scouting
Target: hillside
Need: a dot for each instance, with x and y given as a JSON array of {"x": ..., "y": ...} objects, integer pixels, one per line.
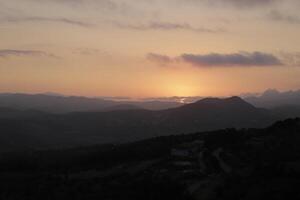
[{"x": 224, "y": 164}]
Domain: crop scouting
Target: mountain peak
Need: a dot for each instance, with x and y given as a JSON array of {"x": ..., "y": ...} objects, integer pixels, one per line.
[
  {"x": 233, "y": 99},
  {"x": 236, "y": 100},
  {"x": 230, "y": 102}
]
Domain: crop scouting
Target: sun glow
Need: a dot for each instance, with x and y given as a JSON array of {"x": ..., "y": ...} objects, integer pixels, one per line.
[{"x": 181, "y": 90}]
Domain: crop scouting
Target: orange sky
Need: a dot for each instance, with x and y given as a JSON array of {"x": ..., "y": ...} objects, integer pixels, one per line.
[{"x": 102, "y": 48}]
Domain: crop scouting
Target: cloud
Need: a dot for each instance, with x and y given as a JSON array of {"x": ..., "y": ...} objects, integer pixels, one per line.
[
  {"x": 105, "y": 7},
  {"x": 244, "y": 59},
  {"x": 46, "y": 19},
  {"x": 278, "y": 16},
  {"x": 89, "y": 51},
  {"x": 235, "y": 59},
  {"x": 234, "y": 3},
  {"x": 162, "y": 59},
  {"x": 247, "y": 3},
  {"x": 107, "y": 4},
  {"x": 290, "y": 58},
  {"x": 166, "y": 26},
  {"x": 12, "y": 52}
]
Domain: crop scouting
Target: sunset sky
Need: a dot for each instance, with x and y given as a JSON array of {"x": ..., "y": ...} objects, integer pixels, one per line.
[{"x": 149, "y": 48}]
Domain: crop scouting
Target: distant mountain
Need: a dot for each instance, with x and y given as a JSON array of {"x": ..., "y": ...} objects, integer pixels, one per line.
[
  {"x": 155, "y": 105},
  {"x": 119, "y": 126},
  {"x": 64, "y": 104},
  {"x": 215, "y": 113},
  {"x": 121, "y": 107},
  {"x": 273, "y": 98}
]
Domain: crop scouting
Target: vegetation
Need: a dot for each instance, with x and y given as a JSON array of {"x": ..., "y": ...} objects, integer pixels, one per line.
[{"x": 239, "y": 164}]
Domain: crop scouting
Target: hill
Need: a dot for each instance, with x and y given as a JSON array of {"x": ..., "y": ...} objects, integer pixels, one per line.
[{"x": 223, "y": 164}]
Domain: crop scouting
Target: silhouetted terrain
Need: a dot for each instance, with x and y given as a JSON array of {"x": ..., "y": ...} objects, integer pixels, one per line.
[
  {"x": 65, "y": 104},
  {"x": 287, "y": 111},
  {"x": 225, "y": 164},
  {"x": 213, "y": 149},
  {"x": 33, "y": 129}
]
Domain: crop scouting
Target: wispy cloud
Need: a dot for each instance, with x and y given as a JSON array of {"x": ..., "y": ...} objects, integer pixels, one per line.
[
  {"x": 162, "y": 59},
  {"x": 236, "y": 3},
  {"x": 46, "y": 19},
  {"x": 247, "y": 3},
  {"x": 13, "y": 52},
  {"x": 291, "y": 58},
  {"x": 278, "y": 16},
  {"x": 89, "y": 51},
  {"x": 110, "y": 7},
  {"x": 167, "y": 26},
  {"x": 242, "y": 59},
  {"x": 108, "y": 4}
]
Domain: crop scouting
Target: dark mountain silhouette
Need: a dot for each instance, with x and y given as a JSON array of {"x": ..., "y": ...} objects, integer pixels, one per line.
[
  {"x": 218, "y": 165},
  {"x": 217, "y": 113},
  {"x": 84, "y": 128},
  {"x": 65, "y": 104},
  {"x": 10, "y": 113},
  {"x": 288, "y": 111},
  {"x": 155, "y": 105},
  {"x": 121, "y": 107}
]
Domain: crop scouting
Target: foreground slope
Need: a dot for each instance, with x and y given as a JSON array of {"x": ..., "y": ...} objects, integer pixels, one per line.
[{"x": 225, "y": 164}]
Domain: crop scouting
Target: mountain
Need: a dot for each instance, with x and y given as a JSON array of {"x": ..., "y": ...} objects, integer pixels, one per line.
[
  {"x": 272, "y": 98},
  {"x": 288, "y": 111},
  {"x": 64, "y": 104},
  {"x": 219, "y": 165},
  {"x": 155, "y": 105},
  {"x": 119, "y": 126},
  {"x": 121, "y": 107},
  {"x": 11, "y": 113},
  {"x": 216, "y": 113}
]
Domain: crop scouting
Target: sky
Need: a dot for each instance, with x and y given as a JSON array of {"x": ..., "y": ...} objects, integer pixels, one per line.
[{"x": 149, "y": 48}]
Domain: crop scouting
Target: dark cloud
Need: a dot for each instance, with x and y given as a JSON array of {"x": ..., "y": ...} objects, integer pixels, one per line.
[
  {"x": 13, "y": 52},
  {"x": 221, "y": 60},
  {"x": 236, "y": 59},
  {"x": 46, "y": 19},
  {"x": 168, "y": 26},
  {"x": 247, "y": 3},
  {"x": 278, "y": 16},
  {"x": 238, "y": 3}
]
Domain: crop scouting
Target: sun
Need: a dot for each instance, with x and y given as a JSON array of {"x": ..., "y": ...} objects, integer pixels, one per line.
[{"x": 182, "y": 90}]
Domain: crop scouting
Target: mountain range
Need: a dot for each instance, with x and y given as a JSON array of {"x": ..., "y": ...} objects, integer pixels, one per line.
[
  {"x": 54, "y": 103},
  {"x": 38, "y": 129}
]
